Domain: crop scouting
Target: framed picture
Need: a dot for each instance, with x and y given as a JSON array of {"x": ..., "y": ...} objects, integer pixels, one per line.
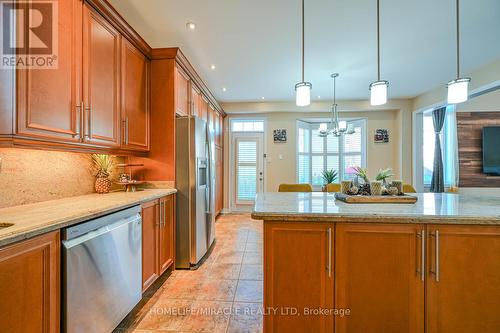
[
  {"x": 279, "y": 135},
  {"x": 381, "y": 135}
]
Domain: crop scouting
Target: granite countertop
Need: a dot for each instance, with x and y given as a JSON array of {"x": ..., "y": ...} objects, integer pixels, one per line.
[
  {"x": 442, "y": 208},
  {"x": 38, "y": 218}
]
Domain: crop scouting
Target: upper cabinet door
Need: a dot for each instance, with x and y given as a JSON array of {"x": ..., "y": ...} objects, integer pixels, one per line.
[
  {"x": 135, "y": 98},
  {"x": 101, "y": 78},
  {"x": 181, "y": 92},
  {"x": 195, "y": 101},
  {"x": 203, "y": 108},
  {"x": 378, "y": 276},
  {"x": 463, "y": 281},
  {"x": 48, "y": 100}
]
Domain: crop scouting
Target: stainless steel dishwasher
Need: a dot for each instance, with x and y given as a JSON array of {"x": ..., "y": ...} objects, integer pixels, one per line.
[{"x": 102, "y": 274}]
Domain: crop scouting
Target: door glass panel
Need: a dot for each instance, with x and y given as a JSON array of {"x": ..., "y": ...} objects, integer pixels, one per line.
[
  {"x": 246, "y": 170},
  {"x": 247, "y": 182}
]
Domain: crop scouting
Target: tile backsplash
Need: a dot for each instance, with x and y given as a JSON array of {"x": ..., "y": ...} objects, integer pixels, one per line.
[{"x": 28, "y": 176}]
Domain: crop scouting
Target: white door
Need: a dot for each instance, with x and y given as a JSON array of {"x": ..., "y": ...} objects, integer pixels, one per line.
[{"x": 248, "y": 169}]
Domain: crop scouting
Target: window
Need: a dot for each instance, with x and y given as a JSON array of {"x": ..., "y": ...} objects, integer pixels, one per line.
[
  {"x": 315, "y": 153},
  {"x": 448, "y": 146},
  {"x": 247, "y": 125}
]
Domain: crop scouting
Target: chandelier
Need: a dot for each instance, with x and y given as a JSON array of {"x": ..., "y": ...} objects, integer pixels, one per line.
[{"x": 335, "y": 127}]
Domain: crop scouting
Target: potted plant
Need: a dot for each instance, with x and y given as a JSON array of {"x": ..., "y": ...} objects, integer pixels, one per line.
[
  {"x": 102, "y": 168},
  {"x": 363, "y": 188},
  {"x": 383, "y": 174},
  {"x": 329, "y": 176}
]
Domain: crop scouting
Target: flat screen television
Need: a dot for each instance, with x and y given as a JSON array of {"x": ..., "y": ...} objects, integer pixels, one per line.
[{"x": 491, "y": 150}]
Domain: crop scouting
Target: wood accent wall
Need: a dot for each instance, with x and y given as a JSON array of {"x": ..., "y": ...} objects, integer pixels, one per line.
[{"x": 470, "y": 148}]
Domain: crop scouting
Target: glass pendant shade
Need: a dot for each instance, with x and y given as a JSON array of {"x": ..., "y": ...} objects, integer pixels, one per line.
[
  {"x": 458, "y": 90},
  {"x": 303, "y": 93},
  {"x": 378, "y": 92},
  {"x": 342, "y": 125}
]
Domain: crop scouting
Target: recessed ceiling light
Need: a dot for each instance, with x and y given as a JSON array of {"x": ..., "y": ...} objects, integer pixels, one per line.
[
  {"x": 212, "y": 67},
  {"x": 224, "y": 89},
  {"x": 190, "y": 25}
]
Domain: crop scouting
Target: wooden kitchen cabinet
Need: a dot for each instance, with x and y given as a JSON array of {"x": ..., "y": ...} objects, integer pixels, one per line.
[
  {"x": 167, "y": 233},
  {"x": 101, "y": 80},
  {"x": 150, "y": 243},
  {"x": 181, "y": 92},
  {"x": 298, "y": 274},
  {"x": 195, "y": 101},
  {"x": 378, "y": 277},
  {"x": 203, "y": 108},
  {"x": 30, "y": 285},
  {"x": 465, "y": 297},
  {"x": 48, "y": 102},
  {"x": 135, "y": 98},
  {"x": 158, "y": 239},
  {"x": 219, "y": 183}
]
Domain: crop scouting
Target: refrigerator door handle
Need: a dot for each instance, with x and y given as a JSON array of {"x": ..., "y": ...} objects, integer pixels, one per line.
[{"x": 208, "y": 189}]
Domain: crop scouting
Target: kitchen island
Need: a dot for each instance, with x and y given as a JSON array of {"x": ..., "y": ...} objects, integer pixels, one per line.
[{"x": 432, "y": 266}]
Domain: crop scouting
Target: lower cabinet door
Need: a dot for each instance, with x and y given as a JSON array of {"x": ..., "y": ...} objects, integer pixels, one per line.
[
  {"x": 463, "y": 281},
  {"x": 378, "y": 277},
  {"x": 298, "y": 277},
  {"x": 30, "y": 285},
  {"x": 150, "y": 241},
  {"x": 167, "y": 244}
]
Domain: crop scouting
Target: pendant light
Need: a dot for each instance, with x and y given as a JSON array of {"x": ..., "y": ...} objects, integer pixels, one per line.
[
  {"x": 458, "y": 89},
  {"x": 303, "y": 89},
  {"x": 378, "y": 89}
]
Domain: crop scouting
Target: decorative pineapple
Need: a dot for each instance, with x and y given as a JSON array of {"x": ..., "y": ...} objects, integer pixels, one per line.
[{"x": 102, "y": 167}]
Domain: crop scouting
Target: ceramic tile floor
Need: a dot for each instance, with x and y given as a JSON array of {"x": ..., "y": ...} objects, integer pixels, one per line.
[{"x": 223, "y": 295}]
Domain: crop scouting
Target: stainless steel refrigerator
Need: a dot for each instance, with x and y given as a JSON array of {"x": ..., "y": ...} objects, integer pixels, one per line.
[{"x": 195, "y": 182}]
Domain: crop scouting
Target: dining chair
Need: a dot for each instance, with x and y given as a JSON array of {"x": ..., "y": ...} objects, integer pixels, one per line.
[{"x": 295, "y": 188}]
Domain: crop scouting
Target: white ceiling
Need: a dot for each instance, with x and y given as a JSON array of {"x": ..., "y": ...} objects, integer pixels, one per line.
[{"x": 255, "y": 44}]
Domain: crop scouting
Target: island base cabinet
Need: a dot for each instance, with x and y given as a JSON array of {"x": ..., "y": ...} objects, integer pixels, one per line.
[
  {"x": 30, "y": 285},
  {"x": 463, "y": 282},
  {"x": 378, "y": 278},
  {"x": 298, "y": 260}
]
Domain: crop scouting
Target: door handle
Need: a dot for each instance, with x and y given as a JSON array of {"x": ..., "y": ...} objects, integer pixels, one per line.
[
  {"x": 421, "y": 270},
  {"x": 329, "y": 252},
  {"x": 436, "y": 272}
]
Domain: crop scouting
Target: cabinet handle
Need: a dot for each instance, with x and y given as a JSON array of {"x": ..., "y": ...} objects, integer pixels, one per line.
[
  {"x": 329, "y": 252},
  {"x": 162, "y": 212},
  {"x": 421, "y": 270},
  {"x": 159, "y": 209},
  {"x": 126, "y": 130},
  {"x": 436, "y": 239},
  {"x": 80, "y": 109},
  {"x": 89, "y": 121}
]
